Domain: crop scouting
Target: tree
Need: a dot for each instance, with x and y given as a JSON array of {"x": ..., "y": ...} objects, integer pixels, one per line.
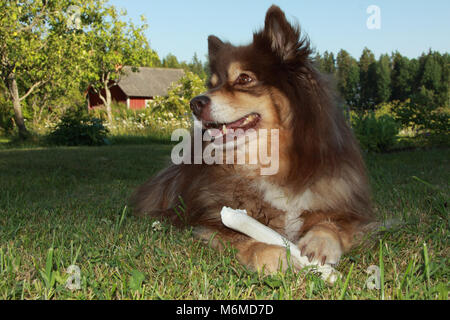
[
  {"x": 433, "y": 74},
  {"x": 445, "y": 92},
  {"x": 327, "y": 63},
  {"x": 36, "y": 48},
  {"x": 348, "y": 78},
  {"x": 114, "y": 44},
  {"x": 383, "y": 79},
  {"x": 430, "y": 72},
  {"x": 402, "y": 77},
  {"x": 170, "y": 61},
  {"x": 367, "y": 76},
  {"x": 197, "y": 67}
]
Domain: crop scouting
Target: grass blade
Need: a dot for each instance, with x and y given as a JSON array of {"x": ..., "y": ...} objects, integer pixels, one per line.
[
  {"x": 381, "y": 270},
  {"x": 344, "y": 290},
  {"x": 427, "y": 264}
]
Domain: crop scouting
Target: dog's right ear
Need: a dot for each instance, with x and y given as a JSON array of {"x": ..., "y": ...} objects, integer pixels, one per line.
[
  {"x": 281, "y": 34},
  {"x": 214, "y": 45},
  {"x": 283, "y": 38}
]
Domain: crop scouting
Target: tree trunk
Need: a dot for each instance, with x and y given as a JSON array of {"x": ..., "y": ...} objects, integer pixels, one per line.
[
  {"x": 108, "y": 103},
  {"x": 107, "y": 98},
  {"x": 18, "y": 115}
]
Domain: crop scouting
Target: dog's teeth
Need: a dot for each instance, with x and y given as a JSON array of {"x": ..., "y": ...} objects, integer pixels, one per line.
[
  {"x": 248, "y": 120},
  {"x": 224, "y": 129}
]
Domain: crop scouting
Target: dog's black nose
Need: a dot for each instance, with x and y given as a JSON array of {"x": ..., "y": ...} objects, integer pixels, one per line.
[{"x": 199, "y": 103}]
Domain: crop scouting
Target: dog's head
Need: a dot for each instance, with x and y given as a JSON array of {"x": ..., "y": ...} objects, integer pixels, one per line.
[{"x": 248, "y": 84}]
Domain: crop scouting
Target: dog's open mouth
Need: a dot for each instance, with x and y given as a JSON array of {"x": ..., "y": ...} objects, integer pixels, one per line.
[{"x": 245, "y": 123}]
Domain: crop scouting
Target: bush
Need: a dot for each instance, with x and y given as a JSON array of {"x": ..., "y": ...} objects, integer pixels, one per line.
[
  {"x": 375, "y": 134},
  {"x": 77, "y": 128},
  {"x": 140, "y": 122},
  {"x": 176, "y": 103},
  {"x": 119, "y": 112},
  {"x": 6, "y": 117},
  {"x": 422, "y": 112}
]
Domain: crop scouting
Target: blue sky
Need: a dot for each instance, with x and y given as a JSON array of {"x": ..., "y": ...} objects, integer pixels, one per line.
[{"x": 182, "y": 27}]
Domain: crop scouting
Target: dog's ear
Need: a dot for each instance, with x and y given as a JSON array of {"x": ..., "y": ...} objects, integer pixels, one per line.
[
  {"x": 283, "y": 37},
  {"x": 214, "y": 45}
]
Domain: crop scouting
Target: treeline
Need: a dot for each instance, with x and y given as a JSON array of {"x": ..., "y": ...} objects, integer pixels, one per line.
[
  {"x": 195, "y": 66},
  {"x": 368, "y": 82}
]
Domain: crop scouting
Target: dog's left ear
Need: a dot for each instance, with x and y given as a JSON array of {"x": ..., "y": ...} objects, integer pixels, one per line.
[
  {"x": 214, "y": 45},
  {"x": 284, "y": 38}
]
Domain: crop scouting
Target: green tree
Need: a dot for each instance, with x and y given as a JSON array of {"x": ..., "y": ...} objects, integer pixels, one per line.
[
  {"x": 329, "y": 62},
  {"x": 402, "y": 77},
  {"x": 197, "y": 67},
  {"x": 318, "y": 62},
  {"x": 367, "y": 77},
  {"x": 445, "y": 92},
  {"x": 347, "y": 75},
  {"x": 113, "y": 44},
  {"x": 326, "y": 63},
  {"x": 430, "y": 72},
  {"x": 383, "y": 79},
  {"x": 433, "y": 74},
  {"x": 37, "y": 47},
  {"x": 170, "y": 61}
]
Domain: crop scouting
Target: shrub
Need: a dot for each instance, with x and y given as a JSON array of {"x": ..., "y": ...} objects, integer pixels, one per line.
[
  {"x": 375, "y": 134},
  {"x": 119, "y": 111},
  {"x": 386, "y": 108},
  {"x": 176, "y": 103},
  {"x": 78, "y": 128},
  {"x": 422, "y": 113},
  {"x": 6, "y": 118}
]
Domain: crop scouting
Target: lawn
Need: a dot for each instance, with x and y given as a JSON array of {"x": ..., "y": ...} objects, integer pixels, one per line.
[{"x": 67, "y": 206}]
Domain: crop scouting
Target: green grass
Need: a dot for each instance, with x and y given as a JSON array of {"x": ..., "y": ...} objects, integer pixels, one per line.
[{"x": 67, "y": 206}]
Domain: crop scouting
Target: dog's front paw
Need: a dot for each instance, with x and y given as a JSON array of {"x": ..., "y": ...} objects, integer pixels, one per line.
[
  {"x": 321, "y": 245},
  {"x": 264, "y": 257}
]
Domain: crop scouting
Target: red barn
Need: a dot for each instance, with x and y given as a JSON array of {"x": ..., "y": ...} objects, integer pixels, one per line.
[{"x": 135, "y": 89}]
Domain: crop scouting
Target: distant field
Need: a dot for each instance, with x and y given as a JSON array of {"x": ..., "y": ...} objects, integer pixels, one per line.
[{"x": 67, "y": 206}]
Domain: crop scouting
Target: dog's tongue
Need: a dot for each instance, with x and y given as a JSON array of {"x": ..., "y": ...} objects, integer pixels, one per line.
[
  {"x": 225, "y": 127},
  {"x": 224, "y": 130},
  {"x": 236, "y": 124},
  {"x": 234, "y": 129}
]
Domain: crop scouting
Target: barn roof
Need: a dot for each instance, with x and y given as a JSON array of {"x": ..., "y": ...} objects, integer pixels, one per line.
[{"x": 148, "y": 82}]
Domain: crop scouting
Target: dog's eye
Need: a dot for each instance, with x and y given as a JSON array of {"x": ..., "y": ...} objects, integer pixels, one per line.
[{"x": 243, "y": 79}]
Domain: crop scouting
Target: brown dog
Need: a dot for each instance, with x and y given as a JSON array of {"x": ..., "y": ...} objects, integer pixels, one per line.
[{"x": 319, "y": 197}]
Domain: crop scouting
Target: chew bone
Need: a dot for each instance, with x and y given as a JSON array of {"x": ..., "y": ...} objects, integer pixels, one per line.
[{"x": 238, "y": 220}]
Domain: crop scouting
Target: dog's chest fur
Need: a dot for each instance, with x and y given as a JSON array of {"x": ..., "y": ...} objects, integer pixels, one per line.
[{"x": 293, "y": 206}]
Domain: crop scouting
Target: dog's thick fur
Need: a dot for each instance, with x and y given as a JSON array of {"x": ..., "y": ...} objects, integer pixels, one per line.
[{"x": 318, "y": 199}]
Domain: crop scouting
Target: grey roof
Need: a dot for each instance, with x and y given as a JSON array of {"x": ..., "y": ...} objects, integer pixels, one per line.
[{"x": 148, "y": 82}]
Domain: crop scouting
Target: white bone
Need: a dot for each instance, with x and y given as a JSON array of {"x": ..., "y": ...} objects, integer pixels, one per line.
[{"x": 238, "y": 220}]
